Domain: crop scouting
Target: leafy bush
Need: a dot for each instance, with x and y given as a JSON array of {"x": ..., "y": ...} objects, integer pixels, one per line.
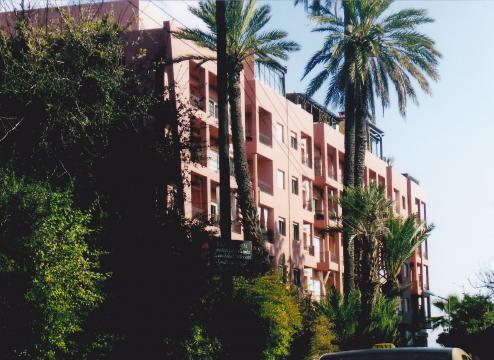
[
  {"x": 264, "y": 319},
  {"x": 50, "y": 276},
  {"x": 344, "y": 314},
  {"x": 316, "y": 336},
  {"x": 200, "y": 346}
]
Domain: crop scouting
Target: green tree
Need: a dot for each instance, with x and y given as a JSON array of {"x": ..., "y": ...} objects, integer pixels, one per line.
[
  {"x": 260, "y": 322},
  {"x": 64, "y": 94},
  {"x": 317, "y": 335},
  {"x": 345, "y": 313},
  {"x": 50, "y": 272},
  {"x": 472, "y": 324},
  {"x": 246, "y": 41},
  {"x": 403, "y": 237},
  {"x": 368, "y": 212}
]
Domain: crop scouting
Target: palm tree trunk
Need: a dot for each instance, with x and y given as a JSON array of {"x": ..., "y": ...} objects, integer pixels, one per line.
[
  {"x": 225, "y": 205},
  {"x": 348, "y": 176},
  {"x": 368, "y": 284},
  {"x": 361, "y": 135},
  {"x": 250, "y": 221}
]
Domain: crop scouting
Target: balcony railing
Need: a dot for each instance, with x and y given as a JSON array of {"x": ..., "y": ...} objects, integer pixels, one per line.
[
  {"x": 264, "y": 138},
  {"x": 265, "y": 186},
  {"x": 319, "y": 215}
]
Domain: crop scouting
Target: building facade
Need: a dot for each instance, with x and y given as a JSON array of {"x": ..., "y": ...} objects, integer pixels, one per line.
[{"x": 295, "y": 150}]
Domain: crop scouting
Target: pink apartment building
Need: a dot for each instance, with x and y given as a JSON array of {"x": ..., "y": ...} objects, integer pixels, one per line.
[{"x": 296, "y": 154}]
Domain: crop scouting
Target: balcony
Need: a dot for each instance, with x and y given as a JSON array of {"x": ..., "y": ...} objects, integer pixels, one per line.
[
  {"x": 307, "y": 161},
  {"x": 265, "y": 186},
  {"x": 265, "y": 139},
  {"x": 319, "y": 215}
]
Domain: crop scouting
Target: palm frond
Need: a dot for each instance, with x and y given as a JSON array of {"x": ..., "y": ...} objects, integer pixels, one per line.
[{"x": 383, "y": 48}]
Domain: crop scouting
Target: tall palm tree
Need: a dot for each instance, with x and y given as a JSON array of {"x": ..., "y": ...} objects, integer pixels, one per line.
[
  {"x": 245, "y": 39},
  {"x": 404, "y": 236},
  {"x": 224, "y": 148},
  {"x": 361, "y": 55},
  {"x": 372, "y": 50}
]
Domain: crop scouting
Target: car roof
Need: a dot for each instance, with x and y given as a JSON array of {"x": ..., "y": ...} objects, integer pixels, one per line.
[{"x": 405, "y": 350}]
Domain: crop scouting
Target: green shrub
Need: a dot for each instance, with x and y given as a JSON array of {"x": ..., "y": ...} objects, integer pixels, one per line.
[
  {"x": 266, "y": 317},
  {"x": 50, "y": 277}
]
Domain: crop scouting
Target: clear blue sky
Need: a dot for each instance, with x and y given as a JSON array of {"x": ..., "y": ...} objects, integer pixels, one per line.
[{"x": 446, "y": 142}]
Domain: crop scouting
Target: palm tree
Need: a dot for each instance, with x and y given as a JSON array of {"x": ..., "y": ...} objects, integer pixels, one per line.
[
  {"x": 361, "y": 55},
  {"x": 449, "y": 307},
  {"x": 224, "y": 148},
  {"x": 404, "y": 236},
  {"x": 372, "y": 51},
  {"x": 245, "y": 40},
  {"x": 367, "y": 212}
]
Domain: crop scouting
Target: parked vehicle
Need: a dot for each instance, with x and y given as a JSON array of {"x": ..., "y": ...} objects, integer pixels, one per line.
[{"x": 400, "y": 354}]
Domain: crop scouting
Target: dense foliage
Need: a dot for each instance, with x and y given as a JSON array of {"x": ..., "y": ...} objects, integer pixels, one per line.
[
  {"x": 50, "y": 273},
  {"x": 468, "y": 324}
]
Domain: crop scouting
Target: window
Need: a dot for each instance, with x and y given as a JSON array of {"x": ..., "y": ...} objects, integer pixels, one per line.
[
  {"x": 281, "y": 179},
  {"x": 294, "y": 185},
  {"x": 293, "y": 140},
  {"x": 282, "y": 226},
  {"x": 280, "y": 133},
  {"x": 406, "y": 273},
  {"x": 403, "y": 203},
  {"x": 397, "y": 200},
  {"x": 213, "y": 108},
  {"x": 296, "y": 277},
  {"x": 296, "y": 231},
  {"x": 404, "y": 305}
]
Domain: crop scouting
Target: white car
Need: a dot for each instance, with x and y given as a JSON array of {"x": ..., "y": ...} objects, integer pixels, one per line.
[{"x": 400, "y": 354}]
